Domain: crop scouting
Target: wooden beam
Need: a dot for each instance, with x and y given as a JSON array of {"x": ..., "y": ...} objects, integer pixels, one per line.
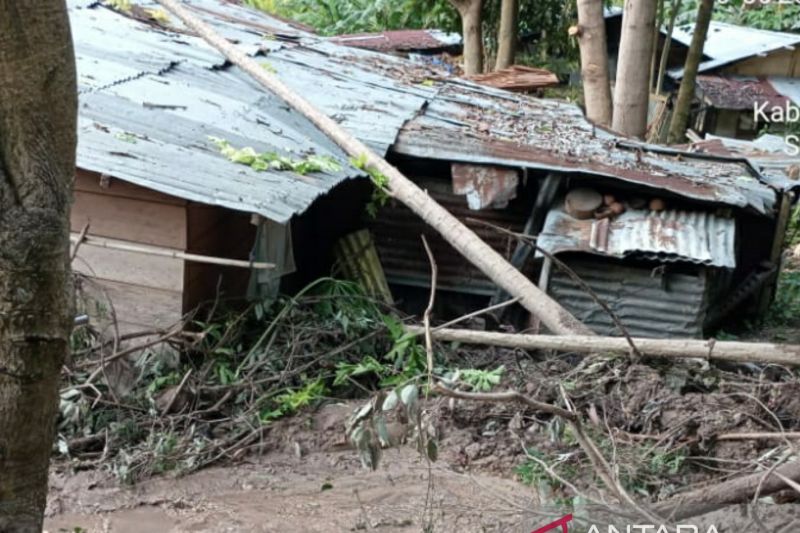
[{"x": 167, "y": 252}]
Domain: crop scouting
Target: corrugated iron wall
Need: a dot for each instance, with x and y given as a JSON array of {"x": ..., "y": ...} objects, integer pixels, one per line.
[
  {"x": 648, "y": 303},
  {"x": 397, "y": 233}
]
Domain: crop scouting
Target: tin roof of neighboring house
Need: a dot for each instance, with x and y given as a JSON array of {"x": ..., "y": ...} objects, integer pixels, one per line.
[
  {"x": 728, "y": 43},
  {"x": 739, "y": 93},
  {"x": 671, "y": 235},
  {"x": 402, "y": 40},
  {"x": 151, "y": 95}
]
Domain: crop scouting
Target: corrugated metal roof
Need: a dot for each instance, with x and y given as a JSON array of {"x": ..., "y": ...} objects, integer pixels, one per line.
[
  {"x": 788, "y": 87},
  {"x": 401, "y": 40},
  {"x": 694, "y": 236},
  {"x": 669, "y": 305},
  {"x": 151, "y": 96},
  {"x": 738, "y": 93},
  {"x": 494, "y": 127},
  {"x": 728, "y": 43},
  {"x": 768, "y": 153}
]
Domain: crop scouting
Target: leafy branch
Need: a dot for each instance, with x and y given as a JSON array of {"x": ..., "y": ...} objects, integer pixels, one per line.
[{"x": 274, "y": 161}]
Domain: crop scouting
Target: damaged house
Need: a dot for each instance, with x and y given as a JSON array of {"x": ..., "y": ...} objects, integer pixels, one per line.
[{"x": 166, "y": 221}]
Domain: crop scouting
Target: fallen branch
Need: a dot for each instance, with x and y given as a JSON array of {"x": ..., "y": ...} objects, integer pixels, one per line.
[
  {"x": 741, "y": 352},
  {"x": 483, "y": 256},
  {"x": 735, "y": 491}
]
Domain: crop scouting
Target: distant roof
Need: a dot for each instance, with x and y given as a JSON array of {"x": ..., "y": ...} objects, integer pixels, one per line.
[
  {"x": 739, "y": 92},
  {"x": 728, "y": 43},
  {"x": 151, "y": 96},
  {"x": 402, "y": 41}
]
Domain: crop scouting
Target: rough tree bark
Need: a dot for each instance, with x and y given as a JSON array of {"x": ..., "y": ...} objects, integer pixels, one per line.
[
  {"x": 680, "y": 115},
  {"x": 591, "y": 33},
  {"x": 507, "y": 34},
  {"x": 632, "y": 90},
  {"x": 471, "y": 33},
  {"x": 38, "y": 108},
  {"x": 483, "y": 256}
]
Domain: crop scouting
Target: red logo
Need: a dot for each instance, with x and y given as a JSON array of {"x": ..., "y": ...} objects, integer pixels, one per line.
[{"x": 553, "y": 525}]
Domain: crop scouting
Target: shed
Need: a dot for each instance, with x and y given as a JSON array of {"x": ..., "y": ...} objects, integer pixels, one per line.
[{"x": 153, "y": 97}]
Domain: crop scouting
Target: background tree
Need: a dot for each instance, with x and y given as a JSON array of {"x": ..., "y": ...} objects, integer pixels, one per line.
[
  {"x": 632, "y": 90},
  {"x": 470, "y": 12},
  {"x": 508, "y": 34},
  {"x": 38, "y": 106},
  {"x": 683, "y": 105},
  {"x": 591, "y": 34}
]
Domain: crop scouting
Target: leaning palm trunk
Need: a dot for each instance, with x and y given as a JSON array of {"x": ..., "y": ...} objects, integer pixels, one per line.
[
  {"x": 38, "y": 108},
  {"x": 483, "y": 256},
  {"x": 680, "y": 117}
]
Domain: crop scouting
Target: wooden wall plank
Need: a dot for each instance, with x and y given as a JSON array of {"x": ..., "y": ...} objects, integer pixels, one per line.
[
  {"x": 134, "y": 305},
  {"x": 129, "y": 219},
  {"x": 130, "y": 267}
]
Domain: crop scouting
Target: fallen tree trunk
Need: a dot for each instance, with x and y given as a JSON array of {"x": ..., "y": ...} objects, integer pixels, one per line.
[
  {"x": 742, "y": 352},
  {"x": 483, "y": 256},
  {"x": 738, "y": 490}
]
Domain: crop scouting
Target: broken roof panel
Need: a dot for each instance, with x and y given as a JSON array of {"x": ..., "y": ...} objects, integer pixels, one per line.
[
  {"x": 694, "y": 236},
  {"x": 728, "y": 43},
  {"x": 401, "y": 40}
]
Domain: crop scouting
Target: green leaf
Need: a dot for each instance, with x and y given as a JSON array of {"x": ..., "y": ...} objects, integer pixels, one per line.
[{"x": 409, "y": 395}]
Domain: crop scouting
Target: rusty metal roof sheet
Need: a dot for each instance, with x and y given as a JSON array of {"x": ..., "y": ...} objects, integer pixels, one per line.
[
  {"x": 402, "y": 40},
  {"x": 728, "y": 43},
  {"x": 497, "y": 128},
  {"x": 694, "y": 236},
  {"x": 769, "y": 153},
  {"x": 739, "y": 93}
]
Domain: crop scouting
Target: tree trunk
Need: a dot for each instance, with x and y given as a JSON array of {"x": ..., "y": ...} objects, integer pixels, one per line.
[
  {"x": 483, "y": 256},
  {"x": 632, "y": 90},
  {"x": 654, "y": 53},
  {"x": 594, "y": 61},
  {"x": 662, "y": 67},
  {"x": 508, "y": 33},
  {"x": 471, "y": 33},
  {"x": 734, "y": 351},
  {"x": 680, "y": 115},
  {"x": 38, "y": 108}
]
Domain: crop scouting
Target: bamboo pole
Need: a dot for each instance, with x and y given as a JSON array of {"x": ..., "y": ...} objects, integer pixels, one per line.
[
  {"x": 165, "y": 252},
  {"x": 741, "y": 352},
  {"x": 483, "y": 256}
]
